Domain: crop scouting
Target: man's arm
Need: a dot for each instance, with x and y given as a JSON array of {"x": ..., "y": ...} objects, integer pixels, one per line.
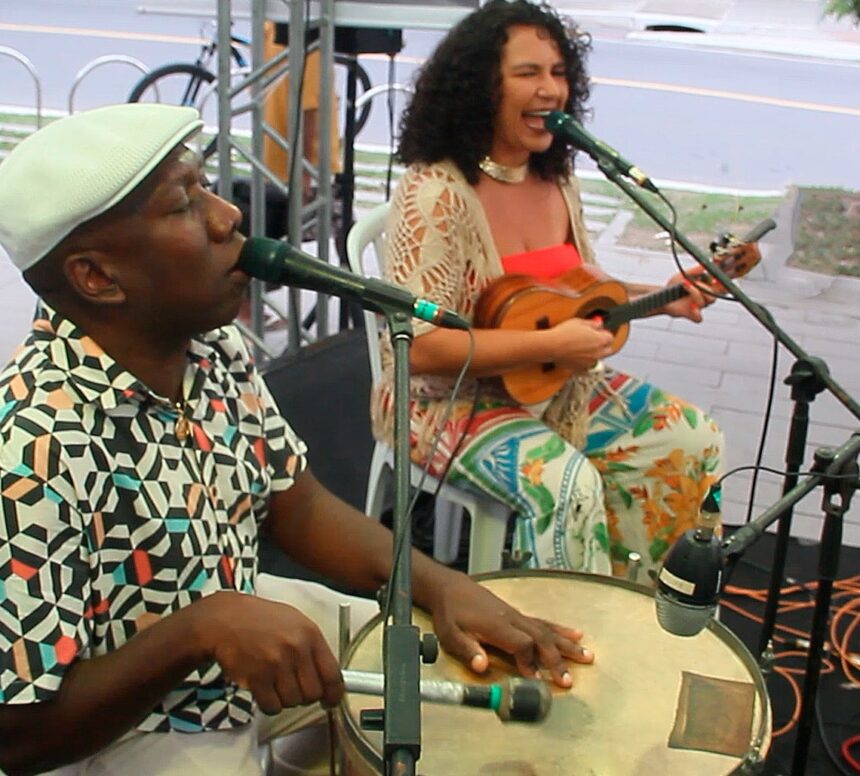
[
  {"x": 329, "y": 536},
  {"x": 269, "y": 648},
  {"x": 99, "y": 699}
]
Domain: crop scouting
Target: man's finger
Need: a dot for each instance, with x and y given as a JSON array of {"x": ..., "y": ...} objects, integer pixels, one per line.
[
  {"x": 466, "y": 649},
  {"x": 329, "y": 674}
]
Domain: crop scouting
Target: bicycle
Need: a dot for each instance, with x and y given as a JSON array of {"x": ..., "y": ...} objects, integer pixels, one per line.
[{"x": 182, "y": 82}]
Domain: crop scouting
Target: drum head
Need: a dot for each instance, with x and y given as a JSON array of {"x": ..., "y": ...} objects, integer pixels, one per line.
[{"x": 645, "y": 687}]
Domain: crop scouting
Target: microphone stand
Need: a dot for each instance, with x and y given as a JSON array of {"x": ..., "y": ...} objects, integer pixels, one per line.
[
  {"x": 805, "y": 386},
  {"x": 838, "y": 470},
  {"x": 754, "y": 308},
  {"x": 809, "y": 376},
  {"x": 401, "y": 717}
]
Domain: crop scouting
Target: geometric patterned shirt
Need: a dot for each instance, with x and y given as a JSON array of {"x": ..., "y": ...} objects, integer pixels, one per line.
[{"x": 113, "y": 520}]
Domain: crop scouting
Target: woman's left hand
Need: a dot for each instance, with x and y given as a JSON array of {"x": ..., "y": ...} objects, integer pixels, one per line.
[
  {"x": 690, "y": 305},
  {"x": 467, "y": 615}
]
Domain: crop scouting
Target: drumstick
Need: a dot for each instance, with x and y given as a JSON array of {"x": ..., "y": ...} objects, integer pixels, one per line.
[{"x": 513, "y": 700}]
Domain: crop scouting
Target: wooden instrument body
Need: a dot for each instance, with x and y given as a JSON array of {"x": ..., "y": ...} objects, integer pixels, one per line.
[
  {"x": 519, "y": 302},
  {"x": 525, "y": 303}
]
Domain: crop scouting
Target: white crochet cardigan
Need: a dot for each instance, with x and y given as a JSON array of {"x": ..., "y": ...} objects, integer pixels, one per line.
[{"x": 439, "y": 246}]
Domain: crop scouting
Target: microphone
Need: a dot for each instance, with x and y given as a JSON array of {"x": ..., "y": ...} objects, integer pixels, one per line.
[
  {"x": 513, "y": 700},
  {"x": 568, "y": 127},
  {"x": 690, "y": 579},
  {"x": 280, "y": 262}
]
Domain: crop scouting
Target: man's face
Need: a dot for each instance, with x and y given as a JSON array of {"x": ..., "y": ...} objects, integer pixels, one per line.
[{"x": 175, "y": 246}]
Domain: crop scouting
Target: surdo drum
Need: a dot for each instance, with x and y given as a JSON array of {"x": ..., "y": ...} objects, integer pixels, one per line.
[{"x": 650, "y": 704}]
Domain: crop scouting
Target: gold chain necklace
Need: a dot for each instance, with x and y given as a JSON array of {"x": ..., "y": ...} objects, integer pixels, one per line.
[{"x": 500, "y": 172}]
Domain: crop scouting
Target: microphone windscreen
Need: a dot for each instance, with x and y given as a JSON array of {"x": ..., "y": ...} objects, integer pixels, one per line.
[
  {"x": 525, "y": 700},
  {"x": 554, "y": 121},
  {"x": 258, "y": 258}
]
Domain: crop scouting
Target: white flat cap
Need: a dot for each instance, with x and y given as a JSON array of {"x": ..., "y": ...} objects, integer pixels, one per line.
[{"x": 80, "y": 166}]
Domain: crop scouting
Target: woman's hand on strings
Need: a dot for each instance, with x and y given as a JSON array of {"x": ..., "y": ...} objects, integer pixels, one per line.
[
  {"x": 690, "y": 305},
  {"x": 579, "y": 343}
]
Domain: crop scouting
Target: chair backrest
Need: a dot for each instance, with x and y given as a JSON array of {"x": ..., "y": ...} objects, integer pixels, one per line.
[{"x": 369, "y": 230}]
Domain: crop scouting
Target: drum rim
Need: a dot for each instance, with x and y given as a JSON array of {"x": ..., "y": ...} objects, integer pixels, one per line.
[{"x": 759, "y": 745}]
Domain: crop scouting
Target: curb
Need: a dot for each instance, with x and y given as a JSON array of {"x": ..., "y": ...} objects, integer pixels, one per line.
[{"x": 822, "y": 48}]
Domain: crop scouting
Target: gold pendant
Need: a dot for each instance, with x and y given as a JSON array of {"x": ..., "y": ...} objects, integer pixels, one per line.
[{"x": 183, "y": 428}]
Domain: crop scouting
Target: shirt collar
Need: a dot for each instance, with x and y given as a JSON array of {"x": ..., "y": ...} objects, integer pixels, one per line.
[{"x": 97, "y": 376}]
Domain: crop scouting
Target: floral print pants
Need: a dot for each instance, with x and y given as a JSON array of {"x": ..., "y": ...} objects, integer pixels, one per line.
[{"x": 637, "y": 485}]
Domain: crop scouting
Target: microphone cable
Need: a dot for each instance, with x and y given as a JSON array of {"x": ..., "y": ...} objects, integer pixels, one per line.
[{"x": 401, "y": 544}]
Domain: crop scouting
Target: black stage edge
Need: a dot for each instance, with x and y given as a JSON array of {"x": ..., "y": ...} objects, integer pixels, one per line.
[
  {"x": 324, "y": 392},
  {"x": 840, "y": 707}
]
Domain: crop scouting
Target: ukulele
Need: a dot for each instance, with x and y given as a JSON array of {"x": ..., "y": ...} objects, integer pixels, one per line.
[{"x": 523, "y": 302}]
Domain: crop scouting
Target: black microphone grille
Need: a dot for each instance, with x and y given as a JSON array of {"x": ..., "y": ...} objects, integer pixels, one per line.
[
  {"x": 680, "y": 618},
  {"x": 525, "y": 700}
]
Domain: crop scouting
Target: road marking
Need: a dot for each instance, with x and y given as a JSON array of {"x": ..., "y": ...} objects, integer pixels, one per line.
[
  {"x": 654, "y": 86},
  {"x": 85, "y": 32},
  {"x": 726, "y": 95}
]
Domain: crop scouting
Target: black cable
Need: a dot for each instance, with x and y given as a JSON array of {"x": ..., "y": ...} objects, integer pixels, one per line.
[
  {"x": 765, "y": 426},
  {"x": 677, "y": 259},
  {"x": 774, "y": 362},
  {"x": 390, "y": 103},
  {"x": 400, "y": 548},
  {"x": 780, "y": 472}
]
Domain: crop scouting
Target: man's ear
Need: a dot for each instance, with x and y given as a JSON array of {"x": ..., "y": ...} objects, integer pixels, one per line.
[{"x": 92, "y": 275}]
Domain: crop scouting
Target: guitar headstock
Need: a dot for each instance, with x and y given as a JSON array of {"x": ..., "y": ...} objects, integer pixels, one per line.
[
  {"x": 737, "y": 256},
  {"x": 734, "y": 257}
]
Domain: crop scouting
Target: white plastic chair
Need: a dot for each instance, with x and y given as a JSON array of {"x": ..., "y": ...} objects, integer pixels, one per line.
[{"x": 489, "y": 517}]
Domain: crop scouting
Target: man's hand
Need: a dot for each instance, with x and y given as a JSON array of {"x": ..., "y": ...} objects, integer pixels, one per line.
[
  {"x": 271, "y": 649},
  {"x": 466, "y": 615}
]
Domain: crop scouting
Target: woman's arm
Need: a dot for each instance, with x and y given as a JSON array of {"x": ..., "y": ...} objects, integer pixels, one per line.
[{"x": 574, "y": 344}]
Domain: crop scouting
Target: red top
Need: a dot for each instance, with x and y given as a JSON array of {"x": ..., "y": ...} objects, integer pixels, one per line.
[{"x": 544, "y": 263}]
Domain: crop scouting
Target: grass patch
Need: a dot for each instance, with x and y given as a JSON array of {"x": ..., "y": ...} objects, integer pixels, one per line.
[
  {"x": 827, "y": 231},
  {"x": 702, "y": 218}
]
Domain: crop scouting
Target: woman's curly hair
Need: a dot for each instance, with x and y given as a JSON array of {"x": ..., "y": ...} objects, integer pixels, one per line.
[{"x": 457, "y": 92}]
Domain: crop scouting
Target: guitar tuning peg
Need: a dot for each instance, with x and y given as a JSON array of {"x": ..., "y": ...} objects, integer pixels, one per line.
[{"x": 724, "y": 241}]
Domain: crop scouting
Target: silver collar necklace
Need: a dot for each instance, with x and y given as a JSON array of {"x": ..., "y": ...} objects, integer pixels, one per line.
[{"x": 500, "y": 172}]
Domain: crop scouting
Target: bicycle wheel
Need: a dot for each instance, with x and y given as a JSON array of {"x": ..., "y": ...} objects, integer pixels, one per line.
[
  {"x": 175, "y": 84},
  {"x": 363, "y": 84}
]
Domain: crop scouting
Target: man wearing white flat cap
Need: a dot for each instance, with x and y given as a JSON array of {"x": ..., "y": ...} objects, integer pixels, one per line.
[{"x": 140, "y": 455}]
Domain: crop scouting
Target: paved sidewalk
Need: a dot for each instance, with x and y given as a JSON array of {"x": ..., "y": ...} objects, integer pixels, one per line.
[{"x": 724, "y": 365}]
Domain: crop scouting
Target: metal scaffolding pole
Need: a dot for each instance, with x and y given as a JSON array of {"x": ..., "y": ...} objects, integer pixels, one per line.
[{"x": 263, "y": 73}]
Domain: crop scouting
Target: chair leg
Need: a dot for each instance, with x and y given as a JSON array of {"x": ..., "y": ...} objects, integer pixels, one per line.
[
  {"x": 487, "y": 537},
  {"x": 376, "y": 481},
  {"x": 448, "y": 520}
]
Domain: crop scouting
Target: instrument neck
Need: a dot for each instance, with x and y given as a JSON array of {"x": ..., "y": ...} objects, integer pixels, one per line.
[{"x": 644, "y": 305}]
